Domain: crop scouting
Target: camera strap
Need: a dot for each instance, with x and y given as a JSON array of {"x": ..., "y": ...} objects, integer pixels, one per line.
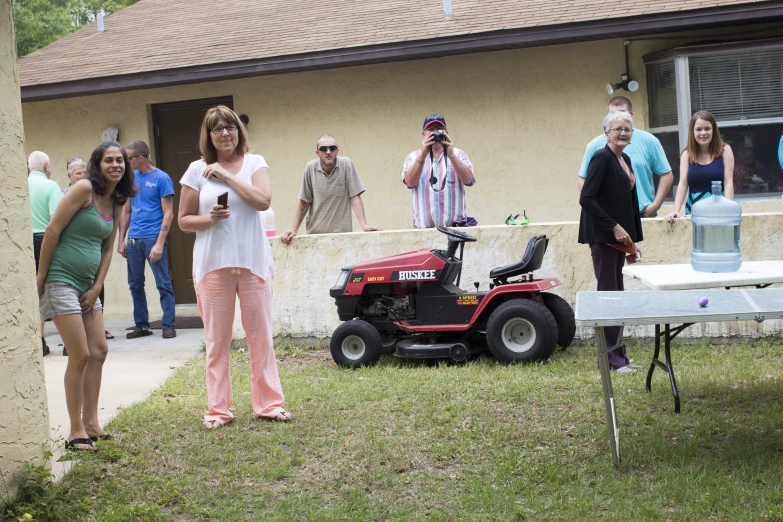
[{"x": 433, "y": 179}]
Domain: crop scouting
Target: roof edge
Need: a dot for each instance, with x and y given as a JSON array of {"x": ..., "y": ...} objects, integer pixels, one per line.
[{"x": 414, "y": 50}]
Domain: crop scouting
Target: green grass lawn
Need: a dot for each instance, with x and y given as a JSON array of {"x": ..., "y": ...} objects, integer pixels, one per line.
[{"x": 477, "y": 442}]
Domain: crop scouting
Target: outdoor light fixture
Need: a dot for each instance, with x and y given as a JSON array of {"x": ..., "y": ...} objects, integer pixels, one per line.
[
  {"x": 625, "y": 79},
  {"x": 627, "y": 83}
]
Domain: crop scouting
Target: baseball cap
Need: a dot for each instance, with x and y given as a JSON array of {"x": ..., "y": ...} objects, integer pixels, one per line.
[{"x": 434, "y": 118}]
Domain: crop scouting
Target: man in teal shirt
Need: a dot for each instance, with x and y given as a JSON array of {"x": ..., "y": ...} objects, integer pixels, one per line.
[
  {"x": 44, "y": 196},
  {"x": 647, "y": 159}
]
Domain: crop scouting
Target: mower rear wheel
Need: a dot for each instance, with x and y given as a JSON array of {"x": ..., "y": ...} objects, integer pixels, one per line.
[
  {"x": 564, "y": 316},
  {"x": 521, "y": 330},
  {"x": 356, "y": 343}
]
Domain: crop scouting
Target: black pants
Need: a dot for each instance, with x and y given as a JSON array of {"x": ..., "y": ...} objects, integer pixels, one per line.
[
  {"x": 608, "y": 267},
  {"x": 37, "y": 242}
]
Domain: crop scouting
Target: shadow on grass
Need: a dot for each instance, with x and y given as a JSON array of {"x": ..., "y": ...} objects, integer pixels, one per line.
[{"x": 723, "y": 424}]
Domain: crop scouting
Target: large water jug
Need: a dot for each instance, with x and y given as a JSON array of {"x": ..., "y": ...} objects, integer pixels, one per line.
[{"x": 716, "y": 233}]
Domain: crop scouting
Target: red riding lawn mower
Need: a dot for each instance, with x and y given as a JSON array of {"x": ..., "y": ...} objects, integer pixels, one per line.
[{"x": 411, "y": 305}]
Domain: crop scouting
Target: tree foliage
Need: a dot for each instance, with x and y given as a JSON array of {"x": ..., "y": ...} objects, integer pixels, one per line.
[{"x": 40, "y": 22}]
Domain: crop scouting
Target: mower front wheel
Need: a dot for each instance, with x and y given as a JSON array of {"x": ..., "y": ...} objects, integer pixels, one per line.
[
  {"x": 356, "y": 343},
  {"x": 521, "y": 330}
]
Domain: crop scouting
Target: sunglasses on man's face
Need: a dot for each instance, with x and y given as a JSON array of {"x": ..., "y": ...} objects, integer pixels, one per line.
[{"x": 330, "y": 148}]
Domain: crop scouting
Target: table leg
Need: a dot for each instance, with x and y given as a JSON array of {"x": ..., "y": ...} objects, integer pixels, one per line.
[
  {"x": 655, "y": 356},
  {"x": 675, "y": 391},
  {"x": 668, "y": 334},
  {"x": 606, "y": 385}
]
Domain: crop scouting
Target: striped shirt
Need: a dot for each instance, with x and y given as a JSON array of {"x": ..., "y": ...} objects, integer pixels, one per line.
[{"x": 434, "y": 207}]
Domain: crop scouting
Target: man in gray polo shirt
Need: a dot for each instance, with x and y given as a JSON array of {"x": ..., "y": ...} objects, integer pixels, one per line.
[{"x": 330, "y": 187}]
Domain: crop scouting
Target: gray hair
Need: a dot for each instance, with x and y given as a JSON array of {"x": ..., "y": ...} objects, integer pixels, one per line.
[
  {"x": 75, "y": 163},
  {"x": 37, "y": 160},
  {"x": 616, "y": 116}
]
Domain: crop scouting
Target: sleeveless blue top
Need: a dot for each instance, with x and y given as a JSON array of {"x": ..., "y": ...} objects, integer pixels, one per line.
[{"x": 700, "y": 178}]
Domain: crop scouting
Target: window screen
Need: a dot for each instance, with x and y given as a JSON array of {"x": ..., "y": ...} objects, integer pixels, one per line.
[
  {"x": 663, "y": 94},
  {"x": 739, "y": 85}
]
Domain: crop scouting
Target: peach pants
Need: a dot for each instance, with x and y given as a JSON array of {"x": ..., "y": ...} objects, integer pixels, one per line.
[{"x": 216, "y": 295}]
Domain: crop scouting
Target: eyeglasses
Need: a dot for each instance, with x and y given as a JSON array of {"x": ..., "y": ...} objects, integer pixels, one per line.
[
  {"x": 73, "y": 160},
  {"x": 330, "y": 148},
  {"x": 622, "y": 130},
  {"x": 229, "y": 128}
]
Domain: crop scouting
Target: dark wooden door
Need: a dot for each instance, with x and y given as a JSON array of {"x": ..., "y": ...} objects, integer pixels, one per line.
[{"x": 177, "y": 127}]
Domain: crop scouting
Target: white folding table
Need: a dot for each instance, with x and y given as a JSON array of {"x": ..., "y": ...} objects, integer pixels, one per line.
[
  {"x": 684, "y": 277},
  {"x": 760, "y": 274},
  {"x": 601, "y": 309}
]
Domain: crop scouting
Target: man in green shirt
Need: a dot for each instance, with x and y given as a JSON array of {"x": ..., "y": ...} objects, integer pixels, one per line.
[{"x": 44, "y": 196}]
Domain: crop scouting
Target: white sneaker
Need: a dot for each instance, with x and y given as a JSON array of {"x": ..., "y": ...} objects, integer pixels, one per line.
[{"x": 625, "y": 370}]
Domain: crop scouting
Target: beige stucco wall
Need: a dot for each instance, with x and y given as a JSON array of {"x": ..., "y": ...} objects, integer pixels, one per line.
[
  {"x": 24, "y": 419},
  {"x": 523, "y": 116},
  {"x": 309, "y": 267}
]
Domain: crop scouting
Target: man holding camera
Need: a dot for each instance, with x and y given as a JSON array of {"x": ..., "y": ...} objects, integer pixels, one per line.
[
  {"x": 331, "y": 186},
  {"x": 438, "y": 198}
]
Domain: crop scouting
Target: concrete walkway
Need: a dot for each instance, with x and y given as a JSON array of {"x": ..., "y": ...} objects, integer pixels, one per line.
[{"x": 132, "y": 370}]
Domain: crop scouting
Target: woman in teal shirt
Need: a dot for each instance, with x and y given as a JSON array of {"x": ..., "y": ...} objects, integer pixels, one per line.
[{"x": 75, "y": 257}]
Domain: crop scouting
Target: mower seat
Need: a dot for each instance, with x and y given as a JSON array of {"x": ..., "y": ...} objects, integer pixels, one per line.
[{"x": 531, "y": 260}]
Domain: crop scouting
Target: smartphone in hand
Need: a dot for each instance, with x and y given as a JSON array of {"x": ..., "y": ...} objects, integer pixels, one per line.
[{"x": 223, "y": 200}]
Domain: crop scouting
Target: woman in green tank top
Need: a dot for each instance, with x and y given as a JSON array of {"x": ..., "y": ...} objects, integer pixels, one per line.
[{"x": 75, "y": 257}]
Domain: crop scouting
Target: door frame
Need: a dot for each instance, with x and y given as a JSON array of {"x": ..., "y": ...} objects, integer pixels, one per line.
[{"x": 228, "y": 101}]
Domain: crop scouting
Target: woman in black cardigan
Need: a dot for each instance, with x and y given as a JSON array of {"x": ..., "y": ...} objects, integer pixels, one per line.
[{"x": 610, "y": 221}]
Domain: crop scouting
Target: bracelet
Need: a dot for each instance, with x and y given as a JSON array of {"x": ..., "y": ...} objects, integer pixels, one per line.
[
  {"x": 419, "y": 161},
  {"x": 39, "y": 283}
]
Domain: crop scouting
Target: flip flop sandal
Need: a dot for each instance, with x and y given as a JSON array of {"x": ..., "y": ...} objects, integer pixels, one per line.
[
  {"x": 105, "y": 436},
  {"x": 108, "y": 334},
  {"x": 214, "y": 424},
  {"x": 514, "y": 220},
  {"x": 283, "y": 416},
  {"x": 73, "y": 443}
]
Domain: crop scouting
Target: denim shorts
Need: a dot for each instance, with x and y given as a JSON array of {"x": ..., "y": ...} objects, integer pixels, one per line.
[{"x": 61, "y": 299}]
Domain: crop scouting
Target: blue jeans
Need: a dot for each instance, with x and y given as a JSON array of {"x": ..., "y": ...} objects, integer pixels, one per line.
[{"x": 138, "y": 253}]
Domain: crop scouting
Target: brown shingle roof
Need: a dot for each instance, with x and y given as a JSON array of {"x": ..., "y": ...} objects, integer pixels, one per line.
[{"x": 161, "y": 35}]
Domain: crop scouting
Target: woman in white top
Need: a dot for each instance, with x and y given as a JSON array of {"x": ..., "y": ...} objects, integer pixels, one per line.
[{"x": 232, "y": 257}]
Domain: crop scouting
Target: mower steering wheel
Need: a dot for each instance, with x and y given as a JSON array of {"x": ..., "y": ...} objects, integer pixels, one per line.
[{"x": 457, "y": 234}]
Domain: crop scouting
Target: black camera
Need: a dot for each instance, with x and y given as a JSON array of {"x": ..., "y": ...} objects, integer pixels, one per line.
[{"x": 439, "y": 136}]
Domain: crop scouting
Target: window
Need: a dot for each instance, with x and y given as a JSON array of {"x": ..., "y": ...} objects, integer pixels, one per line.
[
  {"x": 756, "y": 166},
  {"x": 743, "y": 90},
  {"x": 663, "y": 95},
  {"x": 671, "y": 146},
  {"x": 738, "y": 86}
]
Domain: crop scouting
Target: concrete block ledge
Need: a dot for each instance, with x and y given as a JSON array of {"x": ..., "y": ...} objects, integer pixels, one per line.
[{"x": 310, "y": 265}]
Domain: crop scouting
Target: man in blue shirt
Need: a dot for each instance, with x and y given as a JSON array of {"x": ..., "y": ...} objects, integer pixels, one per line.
[
  {"x": 647, "y": 159},
  {"x": 149, "y": 215}
]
